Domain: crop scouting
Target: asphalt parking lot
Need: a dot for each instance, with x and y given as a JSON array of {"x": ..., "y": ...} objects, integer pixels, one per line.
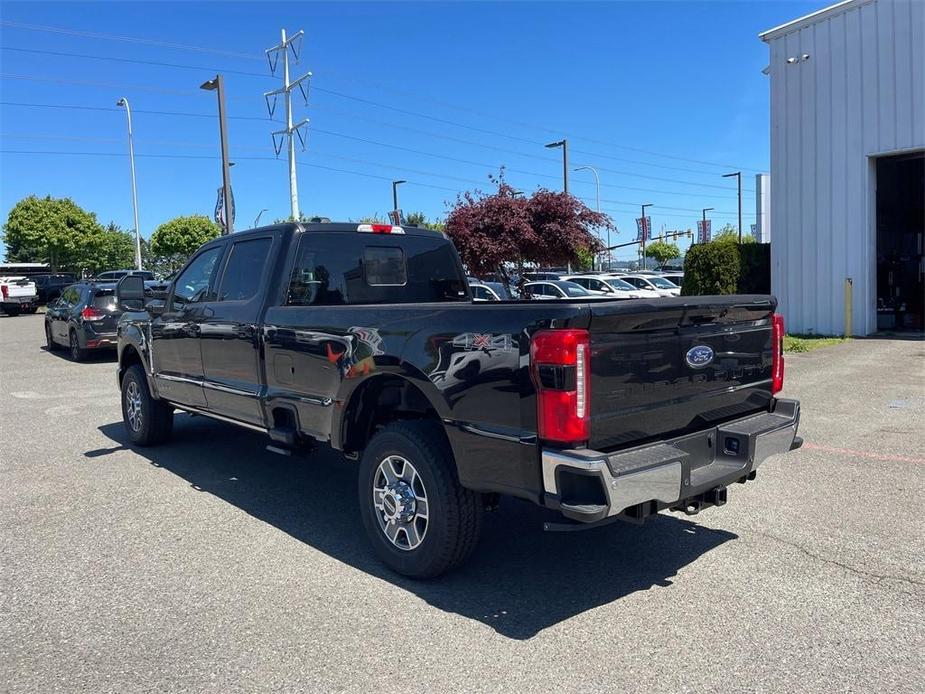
[{"x": 212, "y": 565}]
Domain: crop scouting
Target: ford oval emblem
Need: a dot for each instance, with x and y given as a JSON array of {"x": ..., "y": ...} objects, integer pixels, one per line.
[{"x": 699, "y": 356}]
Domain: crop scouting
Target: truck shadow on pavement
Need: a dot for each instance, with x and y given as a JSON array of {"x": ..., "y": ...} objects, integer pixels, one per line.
[{"x": 519, "y": 581}]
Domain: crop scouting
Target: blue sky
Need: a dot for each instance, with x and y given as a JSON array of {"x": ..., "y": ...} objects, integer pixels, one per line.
[{"x": 661, "y": 97}]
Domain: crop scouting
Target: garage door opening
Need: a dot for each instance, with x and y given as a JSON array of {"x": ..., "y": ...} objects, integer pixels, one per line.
[{"x": 900, "y": 232}]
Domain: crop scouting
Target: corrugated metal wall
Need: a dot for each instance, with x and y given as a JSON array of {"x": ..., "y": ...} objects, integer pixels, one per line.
[{"x": 859, "y": 93}]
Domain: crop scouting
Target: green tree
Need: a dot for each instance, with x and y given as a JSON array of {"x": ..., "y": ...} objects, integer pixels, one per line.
[
  {"x": 114, "y": 250},
  {"x": 176, "y": 240},
  {"x": 51, "y": 230},
  {"x": 662, "y": 251},
  {"x": 729, "y": 234}
]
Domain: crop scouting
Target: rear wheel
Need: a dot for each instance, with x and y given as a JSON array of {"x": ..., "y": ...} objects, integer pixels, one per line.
[
  {"x": 50, "y": 343},
  {"x": 420, "y": 520},
  {"x": 147, "y": 421},
  {"x": 78, "y": 353},
  {"x": 12, "y": 309}
]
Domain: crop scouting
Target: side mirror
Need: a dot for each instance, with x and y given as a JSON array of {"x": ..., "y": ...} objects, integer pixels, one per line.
[
  {"x": 156, "y": 307},
  {"x": 130, "y": 293}
]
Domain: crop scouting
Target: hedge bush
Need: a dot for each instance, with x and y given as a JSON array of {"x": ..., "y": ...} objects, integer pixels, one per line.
[{"x": 725, "y": 267}]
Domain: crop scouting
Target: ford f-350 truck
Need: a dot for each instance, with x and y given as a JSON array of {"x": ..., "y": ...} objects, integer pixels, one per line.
[{"x": 365, "y": 337}]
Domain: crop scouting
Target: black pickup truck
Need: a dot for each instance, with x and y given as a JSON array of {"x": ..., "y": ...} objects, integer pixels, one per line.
[{"x": 365, "y": 337}]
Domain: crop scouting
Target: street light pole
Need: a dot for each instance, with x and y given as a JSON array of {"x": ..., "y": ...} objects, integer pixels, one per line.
[
  {"x": 738, "y": 175},
  {"x": 131, "y": 157},
  {"x": 597, "y": 183},
  {"x": 257, "y": 221},
  {"x": 395, "y": 185},
  {"x": 645, "y": 231},
  {"x": 564, "y": 145},
  {"x": 218, "y": 85},
  {"x": 705, "y": 210}
]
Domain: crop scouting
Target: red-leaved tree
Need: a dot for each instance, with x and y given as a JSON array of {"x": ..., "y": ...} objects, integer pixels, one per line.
[{"x": 500, "y": 232}]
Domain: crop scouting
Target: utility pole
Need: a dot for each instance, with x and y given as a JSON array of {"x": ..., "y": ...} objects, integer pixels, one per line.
[
  {"x": 645, "y": 232},
  {"x": 218, "y": 86},
  {"x": 738, "y": 175},
  {"x": 597, "y": 183},
  {"x": 564, "y": 145},
  {"x": 131, "y": 157},
  {"x": 292, "y": 43}
]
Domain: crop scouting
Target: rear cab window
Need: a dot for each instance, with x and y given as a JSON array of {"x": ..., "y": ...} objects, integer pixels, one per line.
[{"x": 337, "y": 268}]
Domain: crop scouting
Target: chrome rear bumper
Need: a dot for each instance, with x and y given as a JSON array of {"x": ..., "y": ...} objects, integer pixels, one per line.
[{"x": 668, "y": 472}]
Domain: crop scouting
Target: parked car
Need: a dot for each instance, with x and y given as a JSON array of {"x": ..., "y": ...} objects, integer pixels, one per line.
[
  {"x": 482, "y": 292},
  {"x": 116, "y": 275},
  {"x": 654, "y": 283},
  {"x": 541, "y": 276},
  {"x": 612, "y": 287},
  {"x": 48, "y": 286},
  {"x": 18, "y": 295},
  {"x": 674, "y": 277},
  {"x": 83, "y": 318},
  {"x": 556, "y": 289},
  {"x": 358, "y": 336}
]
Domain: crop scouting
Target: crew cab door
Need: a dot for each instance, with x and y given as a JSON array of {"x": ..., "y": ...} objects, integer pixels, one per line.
[
  {"x": 176, "y": 357},
  {"x": 230, "y": 338}
]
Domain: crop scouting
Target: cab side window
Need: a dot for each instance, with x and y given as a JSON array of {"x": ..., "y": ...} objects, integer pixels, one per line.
[
  {"x": 194, "y": 282},
  {"x": 244, "y": 270}
]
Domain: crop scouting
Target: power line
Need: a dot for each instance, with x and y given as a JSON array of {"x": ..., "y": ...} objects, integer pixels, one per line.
[
  {"x": 380, "y": 105},
  {"x": 126, "y": 39},
  {"x": 198, "y": 68},
  {"x": 418, "y": 152},
  {"x": 379, "y": 165}
]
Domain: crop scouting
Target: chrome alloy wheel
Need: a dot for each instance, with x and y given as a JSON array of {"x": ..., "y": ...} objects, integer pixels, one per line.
[
  {"x": 401, "y": 502},
  {"x": 133, "y": 405}
]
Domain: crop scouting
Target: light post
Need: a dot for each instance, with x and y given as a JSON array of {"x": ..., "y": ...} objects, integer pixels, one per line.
[
  {"x": 597, "y": 183},
  {"x": 257, "y": 221},
  {"x": 738, "y": 175},
  {"x": 564, "y": 145},
  {"x": 395, "y": 185},
  {"x": 218, "y": 85},
  {"x": 131, "y": 157},
  {"x": 645, "y": 231},
  {"x": 704, "y": 232}
]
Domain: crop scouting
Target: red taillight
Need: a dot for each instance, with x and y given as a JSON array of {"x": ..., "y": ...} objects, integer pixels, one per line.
[
  {"x": 777, "y": 353},
  {"x": 380, "y": 229},
  {"x": 561, "y": 368},
  {"x": 5, "y": 291},
  {"x": 91, "y": 313}
]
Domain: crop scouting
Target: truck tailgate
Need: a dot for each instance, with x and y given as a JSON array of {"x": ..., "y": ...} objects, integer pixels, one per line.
[{"x": 676, "y": 365}]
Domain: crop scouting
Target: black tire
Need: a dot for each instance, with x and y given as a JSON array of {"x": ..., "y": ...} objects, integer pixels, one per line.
[
  {"x": 155, "y": 417},
  {"x": 12, "y": 309},
  {"x": 454, "y": 514},
  {"x": 78, "y": 353},
  {"x": 50, "y": 343}
]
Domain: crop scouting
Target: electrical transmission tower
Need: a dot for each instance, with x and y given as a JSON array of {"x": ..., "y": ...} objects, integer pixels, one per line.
[{"x": 294, "y": 44}]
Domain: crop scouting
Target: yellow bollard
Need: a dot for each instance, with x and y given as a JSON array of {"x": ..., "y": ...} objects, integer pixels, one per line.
[{"x": 848, "y": 287}]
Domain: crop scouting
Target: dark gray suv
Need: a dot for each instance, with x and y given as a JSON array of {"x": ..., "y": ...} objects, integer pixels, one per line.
[{"x": 83, "y": 318}]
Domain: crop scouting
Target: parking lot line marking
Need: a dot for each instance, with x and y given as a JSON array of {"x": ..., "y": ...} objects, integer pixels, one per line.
[
  {"x": 78, "y": 394},
  {"x": 864, "y": 454}
]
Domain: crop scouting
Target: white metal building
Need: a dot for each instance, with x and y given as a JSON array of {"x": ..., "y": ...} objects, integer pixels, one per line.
[{"x": 847, "y": 163}]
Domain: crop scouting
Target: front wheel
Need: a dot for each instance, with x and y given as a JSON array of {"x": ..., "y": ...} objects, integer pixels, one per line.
[
  {"x": 147, "y": 421},
  {"x": 420, "y": 520}
]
